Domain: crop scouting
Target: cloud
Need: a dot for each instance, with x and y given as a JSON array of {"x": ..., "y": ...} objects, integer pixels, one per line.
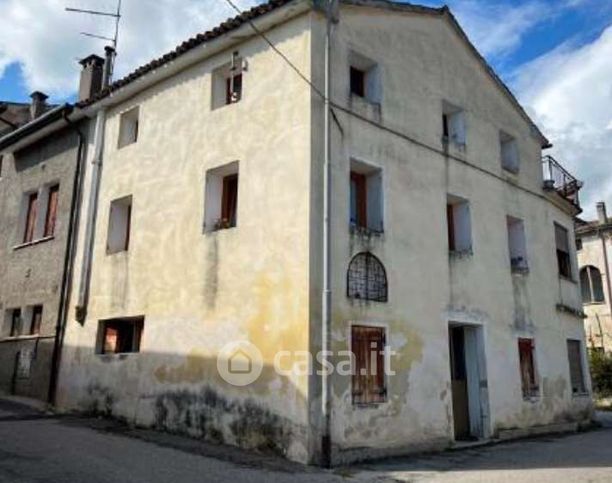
[
  {"x": 568, "y": 92},
  {"x": 44, "y": 39}
]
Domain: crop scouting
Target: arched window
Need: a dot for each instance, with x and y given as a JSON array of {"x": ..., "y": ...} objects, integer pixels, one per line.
[
  {"x": 591, "y": 284},
  {"x": 366, "y": 278}
]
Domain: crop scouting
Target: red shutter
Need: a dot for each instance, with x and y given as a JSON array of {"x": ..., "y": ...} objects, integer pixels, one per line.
[
  {"x": 30, "y": 224},
  {"x": 51, "y": 211}
]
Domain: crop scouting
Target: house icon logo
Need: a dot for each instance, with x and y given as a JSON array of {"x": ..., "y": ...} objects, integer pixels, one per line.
[{"x": 240, "y": 363}]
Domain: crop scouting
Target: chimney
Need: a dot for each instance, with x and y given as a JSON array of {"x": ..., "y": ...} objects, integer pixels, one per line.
[
  {"x": 108, "y": 65},
  {"x": 38, "y": 105},
  {"x": 91, "y": 76},
  {"x": 602, "y": 216}
]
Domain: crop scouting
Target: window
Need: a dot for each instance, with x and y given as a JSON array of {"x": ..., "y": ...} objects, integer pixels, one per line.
[
  {"x": 563, "y": 252},
  {"x": 364, "y": 78},
  {"x": 509, "y": 153},
  {"x": 51, "y": 216},
  {"x": 366, "y": 197},
  {"x": 12, "y": 322},
  {"x": 578, "y": 244},
  {"x": 527, "y": 365},
  {"x": 119, "y": 225},
  {"x": 128, "y": 127},
  {"x": 591, "y": 285},
  {"x": 453, "y": 124},
  {"x": 574, "y": 353},
  {"x": 368, "y": 379},
  {"x": 30, "y": 220},
  {"x": 459, "y": 225},
  {"x": 367, "y": 278},
  {"x": 517, "y": 244},
  {"x": 1, "y": 164},
  {"x": 35, "y": 313},
  {"x": 221, "y": 209},
  {"x": 227, "y": 82},
  {"x": 120, "y": 336}
]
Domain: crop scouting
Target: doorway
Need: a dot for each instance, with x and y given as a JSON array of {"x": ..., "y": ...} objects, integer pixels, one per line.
[{"x": 468, "y": 382}]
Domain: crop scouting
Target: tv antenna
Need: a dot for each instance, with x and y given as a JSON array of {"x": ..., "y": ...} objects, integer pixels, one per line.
[{"x": 114, "y": 40}]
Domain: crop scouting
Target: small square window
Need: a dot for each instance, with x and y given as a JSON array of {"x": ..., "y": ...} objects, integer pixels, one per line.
[
  {"x": 459, "y": 225},
  {"x": 227, "y": 82},
  {"x": 119, "y": 225},
  {"x": 120, "y": 336},
  {"x": 221, "y": 205},
  {"x": 364, "y": 78},
  {"x": 509, "y": 153},
  {"x": 453, "y": 124},
  {"x": 128, "y": 127}
]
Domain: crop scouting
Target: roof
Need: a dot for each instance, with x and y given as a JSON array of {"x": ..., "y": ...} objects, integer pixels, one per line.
[
  {"x": 584, "y": 227},
  {"x": 261, "y": 10},
  {"x": 13, "y": 115}
]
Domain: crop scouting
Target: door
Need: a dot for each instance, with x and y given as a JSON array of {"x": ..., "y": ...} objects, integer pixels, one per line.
[{"x": 459, "y": 383}]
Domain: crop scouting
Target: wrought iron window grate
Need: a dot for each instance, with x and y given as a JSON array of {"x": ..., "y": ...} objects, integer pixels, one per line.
[{"x": 367, "y": 278}]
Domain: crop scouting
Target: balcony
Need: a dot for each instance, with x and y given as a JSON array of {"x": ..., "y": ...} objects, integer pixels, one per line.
[{"x": 556, "y": 178}]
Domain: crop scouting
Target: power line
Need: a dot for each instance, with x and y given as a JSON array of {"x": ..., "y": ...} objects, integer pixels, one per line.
[{"x": 376, "y": 124}]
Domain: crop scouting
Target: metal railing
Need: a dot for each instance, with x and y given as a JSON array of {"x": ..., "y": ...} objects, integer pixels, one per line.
[{"x": 557, "y": 178}]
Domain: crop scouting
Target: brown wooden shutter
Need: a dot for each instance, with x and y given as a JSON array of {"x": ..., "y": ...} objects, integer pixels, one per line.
[
  {"x": 361, "y": 196},
  {"x": 528, "y": 378},
  {"x": 368, "y": 380},
  {"x": 51, "y": 211},
  {"x": 229, "y": 200},
  {"x": 30, "y": 225},
  {"x": 450, "y": 219},
  {"x": 574, "y": 354},
  {"x": 37, "y": 312}
]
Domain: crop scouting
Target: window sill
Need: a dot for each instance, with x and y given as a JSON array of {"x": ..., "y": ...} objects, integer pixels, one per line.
[
  {"x": 372, "y": 405},
  {"x": 116, "y": 357},
  {"x": 362, "y": 231},
  {"x": 219, "y": 230},
  {"x": 510, "y": 171},
  {"x": 535, "y": 398},
  {"x": 579, "y": 395},
  {"x": 121, "y": 252},
  {"x": 34, "y": 242},
  {"x": 589, "y": 304},
  {"x": 448, "y": 142},
  {"x": 520, "y": 271},
  {"x": 19, "y": 338},
  {"x": 460, "y": 254},
  {"x": 567, "y": 279}
]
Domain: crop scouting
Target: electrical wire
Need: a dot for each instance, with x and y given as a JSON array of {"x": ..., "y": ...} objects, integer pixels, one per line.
[{"x": 376, "y": 124}]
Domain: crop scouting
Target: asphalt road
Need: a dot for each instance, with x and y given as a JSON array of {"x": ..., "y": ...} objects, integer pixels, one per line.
[{"x": 35, "y": 447}]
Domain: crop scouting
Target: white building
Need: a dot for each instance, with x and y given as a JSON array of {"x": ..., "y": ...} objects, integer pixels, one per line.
[
  {"x": 594, "y": 258},
  {"x": 448, "y": 244}
]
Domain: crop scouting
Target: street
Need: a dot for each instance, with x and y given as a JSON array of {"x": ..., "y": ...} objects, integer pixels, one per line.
[{"x": 39, "y": 447}]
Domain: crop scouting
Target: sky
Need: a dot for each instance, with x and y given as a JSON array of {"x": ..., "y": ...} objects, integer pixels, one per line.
[{"x": 555, "y": 55}]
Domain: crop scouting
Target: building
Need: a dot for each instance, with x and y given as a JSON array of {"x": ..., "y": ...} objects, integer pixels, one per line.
[
  {"x": 41, "y": 160},
  {"x": 594, "y": 253},
  {"x": 202, "y": 226}
]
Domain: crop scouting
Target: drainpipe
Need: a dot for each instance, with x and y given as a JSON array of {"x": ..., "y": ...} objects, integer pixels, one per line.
[
  {"x": 62, "y": 313},
  {"x": 326, "y": 402},
  {"x": 92, "y": 208},
  {"x": 608, "y": 283}
]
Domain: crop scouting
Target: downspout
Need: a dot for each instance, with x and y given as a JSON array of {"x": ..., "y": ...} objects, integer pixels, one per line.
[
  {"x": 326, "y": 402},
  {"x": 62, "y": 312},
  {"x": 608, "y": 283},
  {"x": 92, "y": 208}
]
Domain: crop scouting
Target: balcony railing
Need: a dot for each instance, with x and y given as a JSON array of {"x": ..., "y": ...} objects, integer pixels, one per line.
[{"x": 557, "y": 178}]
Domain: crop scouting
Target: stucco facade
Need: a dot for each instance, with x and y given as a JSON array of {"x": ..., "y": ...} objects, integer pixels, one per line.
[
  {"x": 199, "y": 289},
  {"x": 596, "y": 252},
  {"x": 31, "y": 272}
]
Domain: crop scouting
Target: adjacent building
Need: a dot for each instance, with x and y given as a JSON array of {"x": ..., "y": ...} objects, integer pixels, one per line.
[
  {"x": 452, "y": 258},
  {"x": 593, "y": 239},
  {"x": 41, "y": 156}
]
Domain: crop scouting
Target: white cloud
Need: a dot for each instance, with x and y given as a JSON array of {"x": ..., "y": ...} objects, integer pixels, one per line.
[
  {"x": 44, "y": 39},
  {"x": 569, "y": 94}
]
